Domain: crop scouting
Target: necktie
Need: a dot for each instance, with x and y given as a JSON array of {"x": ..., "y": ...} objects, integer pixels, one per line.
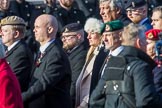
[
  {"x": 6, "y": 52},
  {"x": 104, "y": 65}
]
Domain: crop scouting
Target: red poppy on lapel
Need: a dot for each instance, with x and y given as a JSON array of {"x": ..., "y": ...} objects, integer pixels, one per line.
[{"x": 39, "y": 59}]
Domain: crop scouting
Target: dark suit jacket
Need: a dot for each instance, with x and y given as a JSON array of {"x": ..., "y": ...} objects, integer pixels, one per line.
[
  {"x": 50, "y": 84},
  {"x": 20, "y": 59},
  {"x": 77, "y": 60}
]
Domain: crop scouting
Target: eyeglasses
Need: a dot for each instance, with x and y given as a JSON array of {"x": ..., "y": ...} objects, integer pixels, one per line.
[{"x": 67, "y": 37}]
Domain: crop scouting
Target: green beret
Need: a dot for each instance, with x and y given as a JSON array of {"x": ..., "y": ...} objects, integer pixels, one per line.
[
  {"x": 12, "y": 20},
  {"x": 112, "y": 26}
]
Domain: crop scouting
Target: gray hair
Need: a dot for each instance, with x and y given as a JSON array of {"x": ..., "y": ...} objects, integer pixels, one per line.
[
  {"x": 131, "y": 33},
  {"x": 2, "y": 50},
  {"x": 116, "y": 4},
  {"x": 93, "y": 25}
]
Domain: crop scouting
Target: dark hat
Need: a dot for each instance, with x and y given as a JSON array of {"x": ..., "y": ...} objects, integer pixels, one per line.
[
  {"x": 112, "y": 26},
  {"x": 153, "y": 34},
  {"x": 133, "y": 3},
  {"x": 12, "y": 20},
  {"x": 71, "y": 29}
]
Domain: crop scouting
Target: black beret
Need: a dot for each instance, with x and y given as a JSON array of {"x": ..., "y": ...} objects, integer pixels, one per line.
[
  {"x": 134, "y": 3},
  {"x": 71, "y": 28}
]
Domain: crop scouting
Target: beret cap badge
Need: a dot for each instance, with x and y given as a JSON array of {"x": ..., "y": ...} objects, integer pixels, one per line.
[
  {"x": 66, "y": 30},
  {"x": 107, "y": 28},
  {"x": 133, "y": 4},
  {"x": 150, "y": 35}
]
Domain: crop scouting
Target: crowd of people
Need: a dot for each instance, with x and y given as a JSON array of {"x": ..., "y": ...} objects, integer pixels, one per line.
[{"x": 81, "y": 54}]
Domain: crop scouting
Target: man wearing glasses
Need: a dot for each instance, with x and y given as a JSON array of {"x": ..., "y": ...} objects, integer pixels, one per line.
[{"x": 74, "y": 45}]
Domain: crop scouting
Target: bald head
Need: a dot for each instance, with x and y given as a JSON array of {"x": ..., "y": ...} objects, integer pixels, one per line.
[
  {"x": 45, "y": 28},
  {"x": 49, "y": 20}
]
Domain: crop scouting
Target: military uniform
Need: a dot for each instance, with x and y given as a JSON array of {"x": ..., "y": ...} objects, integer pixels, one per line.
[
  {"x": 89, "y": 7},
  {"x": 65, "y": 17},
  {"x": 151, "y": 5},
  {"x": 6, "y": 13},
  {"x": 22, "y": 10}
]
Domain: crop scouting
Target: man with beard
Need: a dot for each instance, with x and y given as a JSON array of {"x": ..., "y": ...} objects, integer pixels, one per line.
[{"x": 74, "y": 45}]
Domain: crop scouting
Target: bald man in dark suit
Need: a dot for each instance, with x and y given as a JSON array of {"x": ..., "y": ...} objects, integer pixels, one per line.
[{"x": 50, "y": 83}]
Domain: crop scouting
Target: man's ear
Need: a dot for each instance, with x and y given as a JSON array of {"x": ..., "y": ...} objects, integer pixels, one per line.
[
  {"x": 50, "y": 29},
  {"x": 120, "y": 36},
  {"x": 16, "y": 34},
  {"x": 78, "y": 36},
  {"x": 118, "y": 11},
  {"x": 138, "y": 43}
]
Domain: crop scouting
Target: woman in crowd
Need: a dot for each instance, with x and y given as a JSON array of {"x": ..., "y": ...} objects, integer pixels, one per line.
[{"x": 92, "y": 27}]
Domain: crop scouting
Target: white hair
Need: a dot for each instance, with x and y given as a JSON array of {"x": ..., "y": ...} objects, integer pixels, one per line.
[
  {"x": 93, "y": 25},
  {"x": 2, "y": 50}
]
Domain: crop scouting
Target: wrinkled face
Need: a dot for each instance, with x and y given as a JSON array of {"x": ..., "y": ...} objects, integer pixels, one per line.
[
  {"x": 4, "y": 4},
  {"x": 157, "y": 20},
  {"x": 8, "y": 35},
  {"x": 106, "y": 13},
  {"x": 66, "y": 3},
  {"x": 69, "y": 41},
  {"x": 94, "y": 39},
  {"x": 135, "y": 14},
  {"x": 111, "y": 40},
  {"x": 150, "y": 49},
  {"x": 40, "y": 30}
]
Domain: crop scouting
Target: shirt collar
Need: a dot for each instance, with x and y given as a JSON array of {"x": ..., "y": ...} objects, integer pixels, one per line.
[
  {"x": 141, "y": 23},
  {"x": 116, "y": 51},
  {"x": 10, "y": 47},
  {"x": 44, "y": 47}
]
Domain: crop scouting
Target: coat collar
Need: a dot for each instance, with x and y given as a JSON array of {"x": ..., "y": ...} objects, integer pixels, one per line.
[{"x": 14, "y": 48}]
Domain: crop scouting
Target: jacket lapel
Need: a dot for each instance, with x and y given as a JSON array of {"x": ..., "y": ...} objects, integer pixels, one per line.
[{"x": 13, "y": 49}]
